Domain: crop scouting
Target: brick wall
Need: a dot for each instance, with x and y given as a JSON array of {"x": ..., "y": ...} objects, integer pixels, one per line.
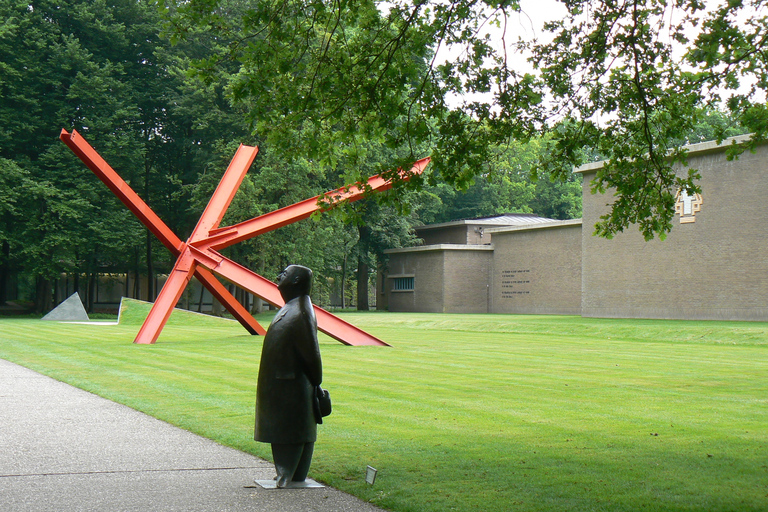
[
  {"x": 447, "y": 279},
  {"x": 713, "y": 268},
  {"x": 427, "y": 269},
  {"x": 537, "y": 270},
  {"x": 466, "y": 280}
]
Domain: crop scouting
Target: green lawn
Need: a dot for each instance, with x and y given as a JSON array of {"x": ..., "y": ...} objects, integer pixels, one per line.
[{"x": 468, "y": 412}]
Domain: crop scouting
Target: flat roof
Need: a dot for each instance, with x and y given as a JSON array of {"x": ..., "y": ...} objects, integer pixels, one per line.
[
  {"x": 441, "y": 247},
  {"x": 700, "y": 148},
  {"x": 546, "y": 225},
  {"x": 508, "y": 219}
]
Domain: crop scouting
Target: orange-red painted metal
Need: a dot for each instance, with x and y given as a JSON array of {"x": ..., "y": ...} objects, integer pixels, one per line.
[
  {"x": 120, "y": 188},
  {"x": 186, "y": 263},
  {"x": 224, "y": 237},
  {"x": 167, "y": 298},
  {"x": 230, "y": 303},
  {"x": 144, "y": 213},
  {"x": 328, "y": 323},
  {"x": 198, "y": 256}
]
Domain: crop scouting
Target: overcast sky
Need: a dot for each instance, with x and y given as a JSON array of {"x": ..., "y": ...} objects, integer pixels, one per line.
[{"x": 525, "y": 25}]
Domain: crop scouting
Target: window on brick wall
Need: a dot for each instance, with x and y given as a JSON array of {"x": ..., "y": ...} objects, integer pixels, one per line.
[{"x": 402, "y": 284}]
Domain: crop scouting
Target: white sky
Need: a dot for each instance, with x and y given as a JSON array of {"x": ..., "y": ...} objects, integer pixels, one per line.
[{"x": 526, "y": 25}]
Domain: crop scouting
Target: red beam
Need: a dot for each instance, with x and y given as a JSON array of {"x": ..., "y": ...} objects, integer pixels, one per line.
[
  {"x": 121, "y": 189},
  {"x": 149, "y": 218},
  {"x": 328, "y": 323},
  {"x": 167, "y": 299},
  {"x": 186, "y": 263},
  {"x": 225, "y": 192},
  {"x": 220, "y": 293},
  {"x": 224, "y": 237}
]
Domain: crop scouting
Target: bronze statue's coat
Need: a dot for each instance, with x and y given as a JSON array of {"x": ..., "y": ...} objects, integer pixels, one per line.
[{"x": 290, "y": 369}]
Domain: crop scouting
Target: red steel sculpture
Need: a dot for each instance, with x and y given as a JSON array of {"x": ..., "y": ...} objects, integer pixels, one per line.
[{"x": 199, "y": 255}]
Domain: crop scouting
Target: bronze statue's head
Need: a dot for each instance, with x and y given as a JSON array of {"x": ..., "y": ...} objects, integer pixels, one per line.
[{"x": 294, "y": 281}]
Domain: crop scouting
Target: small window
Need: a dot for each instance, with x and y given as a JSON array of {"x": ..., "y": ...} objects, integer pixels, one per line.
[{"x": 403, "y": 284}]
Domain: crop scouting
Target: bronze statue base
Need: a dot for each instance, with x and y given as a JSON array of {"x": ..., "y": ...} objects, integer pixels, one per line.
[{"x": 306, "y": 484}]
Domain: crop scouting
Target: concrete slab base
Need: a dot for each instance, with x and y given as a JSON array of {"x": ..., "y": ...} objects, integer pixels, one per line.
[{"x": 306, "y": 484}]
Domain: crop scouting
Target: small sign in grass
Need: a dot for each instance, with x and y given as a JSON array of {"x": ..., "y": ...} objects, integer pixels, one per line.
[{"x": 469, "y": 412}]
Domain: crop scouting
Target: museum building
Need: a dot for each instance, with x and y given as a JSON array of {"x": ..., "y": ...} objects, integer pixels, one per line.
[{"x": 712, "y": 265}]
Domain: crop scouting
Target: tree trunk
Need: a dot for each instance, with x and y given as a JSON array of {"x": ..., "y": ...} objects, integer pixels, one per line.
[
  {"x": 200, "y": 302},
  {"x": 150, "y": 270},
  {"x": 91, "y": 291},
  {"x": 136, "y": 293},
  {"x": 344, "y": 283},
  {"x": 363, "y": 243},
  {"x": 242, "y": 297},
  {"x": 5, "y": 272},
  {"x": 217, "y": 309},
  {"x": 57, "y": 292},
  {"x": 42, "y": 295},
  {"x": 362, "y": 284},
  {"x": 258, "y": 303},
  {"x": 137, "y": 284}
]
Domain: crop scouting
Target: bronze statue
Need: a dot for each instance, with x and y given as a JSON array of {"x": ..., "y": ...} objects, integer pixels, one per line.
[{"x": 289, "y": 375}]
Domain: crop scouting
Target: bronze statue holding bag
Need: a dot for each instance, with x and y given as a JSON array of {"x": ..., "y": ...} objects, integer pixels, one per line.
[{"x": 289, "y": 400}]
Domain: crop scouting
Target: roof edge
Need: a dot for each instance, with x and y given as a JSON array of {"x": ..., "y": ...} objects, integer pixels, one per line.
[
  {"x": 478, "y": 221},
  {"x": 700, "y": 148},
  {"x": 441, "y": 247},
  {"x": 548, "y": 225}
]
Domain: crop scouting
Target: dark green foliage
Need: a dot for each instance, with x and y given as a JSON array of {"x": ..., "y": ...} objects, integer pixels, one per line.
[
  {"x": 511, "y": 185},
  {"x": 71, "y": 65},
  {"x": 630, "y": 80},
  {"x": 100, "y": 68}
]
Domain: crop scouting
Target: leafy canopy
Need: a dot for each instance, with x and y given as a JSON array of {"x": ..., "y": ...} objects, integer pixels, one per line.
[{"x": 623, "y": 79}]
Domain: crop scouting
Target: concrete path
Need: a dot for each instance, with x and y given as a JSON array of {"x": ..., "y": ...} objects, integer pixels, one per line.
[{"x": 65, "y": 450}]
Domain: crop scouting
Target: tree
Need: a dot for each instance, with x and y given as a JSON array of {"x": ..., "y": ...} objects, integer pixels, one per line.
[
  {"x": 509, "y": 185},
  {"x": 100, "y": 68},
  {"x": 556, "y": 196},
  {"x": 13, "y": 181},
  {"x": 640, "y": 77},
  {"x": 103, "y": 69},
  {"x": 52, "y": 78},
  {"x": 379, "y": 226},
  {"x": 711, "y": 124},
  {"x": 623, "y": 79}
]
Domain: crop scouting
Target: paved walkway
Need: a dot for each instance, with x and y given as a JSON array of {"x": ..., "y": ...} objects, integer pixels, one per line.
[{"x": 65, "y": 450}]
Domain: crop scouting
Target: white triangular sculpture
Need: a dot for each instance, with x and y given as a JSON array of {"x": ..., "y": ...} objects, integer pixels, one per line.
[{"x": 71, "y": 310}]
